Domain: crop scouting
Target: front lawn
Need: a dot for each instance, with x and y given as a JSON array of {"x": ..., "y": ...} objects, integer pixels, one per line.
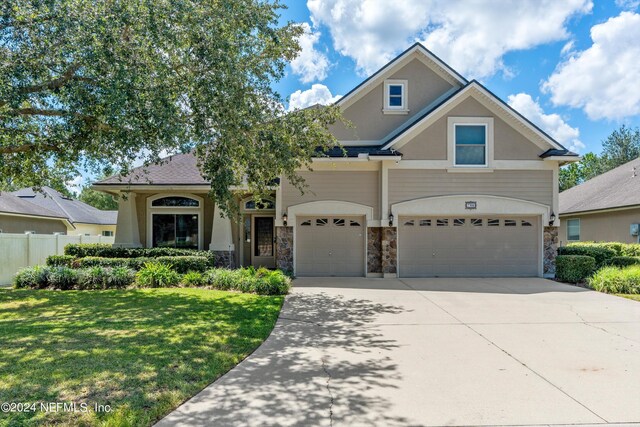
[{"x": 142, "y": 352}]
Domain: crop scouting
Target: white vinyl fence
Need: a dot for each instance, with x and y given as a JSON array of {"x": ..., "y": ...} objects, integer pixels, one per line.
[{"x": 22, "y": 250}]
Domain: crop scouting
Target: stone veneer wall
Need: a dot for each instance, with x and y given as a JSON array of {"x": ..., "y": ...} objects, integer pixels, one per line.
[
  {"x": 389, "y": 250},
  {"x": 284, "y": 248},
  {"x": 550, "y": 250},
  {"x": 374, "y": 250},
  {"x": 225, "y": 259}
]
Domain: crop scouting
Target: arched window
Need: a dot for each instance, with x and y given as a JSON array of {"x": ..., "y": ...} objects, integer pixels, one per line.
[
  {"x": 251, "y": 205},
  {"x": 175, "y": 221},
  {"x": 176, "y": 201}
]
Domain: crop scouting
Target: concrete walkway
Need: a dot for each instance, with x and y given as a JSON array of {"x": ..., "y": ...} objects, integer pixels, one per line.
[{"x": 434, "y": 352}]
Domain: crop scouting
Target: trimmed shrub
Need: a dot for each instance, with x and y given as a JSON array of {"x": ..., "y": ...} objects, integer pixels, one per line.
[
  {"x": 84, "y": 250},
  {"x": 574, "y": 268},
  {"x": 601, "y": 254},
  {"x": 60, "y": 260},
  {"x": 32, "y": 277},
  {"x": 63, "y": 278},
  {"x": 157, "y": 275},
  {"x": 623, "y": 261},
  {"x": 93, "y": 261},
  {"x": 617, "y": 280},
  {"x": 181, "y": 264},
  {"x": 193, "y": 278}
]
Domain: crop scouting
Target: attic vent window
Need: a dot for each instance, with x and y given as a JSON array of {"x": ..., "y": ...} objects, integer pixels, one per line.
[{"x": 395, "y": 97}]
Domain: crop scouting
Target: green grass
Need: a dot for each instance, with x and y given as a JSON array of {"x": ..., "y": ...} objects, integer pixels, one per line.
[
  {"x": 634, "y": 297},
  {"x": 142, "y": 352}
]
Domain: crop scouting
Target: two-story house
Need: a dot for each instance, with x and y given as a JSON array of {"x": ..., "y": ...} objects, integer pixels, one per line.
[{"x": 440, "y": 178}]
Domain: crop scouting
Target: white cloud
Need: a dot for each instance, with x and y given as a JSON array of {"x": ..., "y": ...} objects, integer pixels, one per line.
[
  {"x": 75, "y": 185},
  {"x": 310, "y": 64},
  {"x": 471, "y": 36},
  {"x": 603, "y": 80},
  {"x": 318, "y": 94},
  {"x": 628, "y": 4},
  {"x": 552, "y": 124}
]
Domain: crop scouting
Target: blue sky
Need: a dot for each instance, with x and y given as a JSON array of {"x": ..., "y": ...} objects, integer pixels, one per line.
[{"x": 570, "y": 66}]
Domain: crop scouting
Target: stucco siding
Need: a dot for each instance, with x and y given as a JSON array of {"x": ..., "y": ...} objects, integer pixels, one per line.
[
  {"x": 17, "y": 224},
  {"x": 607, "y": 227},
  {"x": 424, "y": 86},
  {"x": 358, "y": 187},
  {"x": 509, "y": 144},
  {"x": 409, "y": 184}
]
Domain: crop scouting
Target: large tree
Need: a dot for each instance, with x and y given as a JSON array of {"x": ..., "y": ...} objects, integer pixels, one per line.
[
  {"x": 620, "y": 147},
  {"x": 84, "y": 83}
]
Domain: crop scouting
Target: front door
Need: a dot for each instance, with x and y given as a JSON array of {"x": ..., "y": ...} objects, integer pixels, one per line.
[{"x": 263, "y": 242}]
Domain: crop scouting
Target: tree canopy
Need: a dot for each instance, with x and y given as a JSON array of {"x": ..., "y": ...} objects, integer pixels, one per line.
[
  {"x": 620, "y": 147},
  {"x": 87, "y": 83}
]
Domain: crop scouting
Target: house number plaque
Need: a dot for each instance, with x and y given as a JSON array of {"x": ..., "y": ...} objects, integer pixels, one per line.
[{"x": 470, "y": 205}]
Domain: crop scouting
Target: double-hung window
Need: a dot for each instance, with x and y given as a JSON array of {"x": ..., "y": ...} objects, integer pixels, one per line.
[
  {"x": 471, "y": 144},
  {"x": 573, "y": 229},
  {"x": 395, "y": 97}
]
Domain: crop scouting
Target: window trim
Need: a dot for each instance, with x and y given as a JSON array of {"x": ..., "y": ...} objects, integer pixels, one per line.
[
  {"x": 579, "y": 230},
  {"x": 404, "y": 108},
  {"x": 175, "y": 210},
  {"x": 453, "y": 122}
]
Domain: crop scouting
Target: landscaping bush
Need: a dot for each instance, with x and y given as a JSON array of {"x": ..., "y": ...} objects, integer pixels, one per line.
[
  {"x": 623, "y": 261},
  {"x": 574, "y": 268},
  {"x": 617, "y": 280},
  {"x": 261, "y": 281},
  {"x": 620, "y": 249},
  {"x": 83, "y": 250},
  {"x": 600, "y": 253},
  {"x": 63, "y": 278},
  {"x": 32, "y": 277},
  {"x": 157, "y": 275},
  {"x": 92, "y": 278},
  {"x": 120, "y": 277},
  {"x": 194, "y": 278},
  {"x": 60, "y": 260},
  {"x": 181, "y": 264}
]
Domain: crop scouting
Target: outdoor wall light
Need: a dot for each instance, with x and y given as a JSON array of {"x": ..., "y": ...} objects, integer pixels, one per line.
[
  {"x": 552, "y": 218},
  {"x": 390, "y": 219},
  {"x": 284, "y": 219}
]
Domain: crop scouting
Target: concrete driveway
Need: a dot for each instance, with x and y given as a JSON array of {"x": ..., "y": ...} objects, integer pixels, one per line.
[{"x": 354, "y": 352}]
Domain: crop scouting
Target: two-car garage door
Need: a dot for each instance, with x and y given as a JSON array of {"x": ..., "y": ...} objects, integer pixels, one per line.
[
  {"x": 330, "y": 246},
  {"x": 459, "y": 246}
]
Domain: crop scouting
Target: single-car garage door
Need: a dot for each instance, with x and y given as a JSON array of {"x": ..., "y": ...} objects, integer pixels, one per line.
[
  {"x": 472, "y": 246},
  {"x": 330, "y": 246}
]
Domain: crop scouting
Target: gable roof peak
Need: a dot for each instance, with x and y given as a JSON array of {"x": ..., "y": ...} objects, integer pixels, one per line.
[{"x": 443, "y": 69}]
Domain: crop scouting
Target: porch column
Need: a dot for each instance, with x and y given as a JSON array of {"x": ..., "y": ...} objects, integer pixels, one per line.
[
  {"x": 127, "y": 232},
  {"x": 222, "y": 240}
]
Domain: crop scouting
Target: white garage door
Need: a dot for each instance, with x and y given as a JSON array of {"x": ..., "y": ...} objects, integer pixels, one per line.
[
  {"x": 479, "y": 246},
  {"x": 330, "y": 246}
]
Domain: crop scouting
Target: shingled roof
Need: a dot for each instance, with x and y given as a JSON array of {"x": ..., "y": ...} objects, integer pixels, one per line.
[
  {"x": 15, "y": 205},
  {"x": 620, "y": 187},
  {"x": 179, "y": 169},
  {"x": 73, "y": 210}
]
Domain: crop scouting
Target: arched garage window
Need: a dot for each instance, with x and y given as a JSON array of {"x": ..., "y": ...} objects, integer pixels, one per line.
[{"x": 174, "y": 222}]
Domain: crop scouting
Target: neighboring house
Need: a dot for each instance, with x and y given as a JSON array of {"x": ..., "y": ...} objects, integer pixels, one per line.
[
  {"x": 19, "y": 216},
  {"x": 440, "y": 178},
  {"x": 603, "y": 208},
  {"x": 82, "y": 219}
]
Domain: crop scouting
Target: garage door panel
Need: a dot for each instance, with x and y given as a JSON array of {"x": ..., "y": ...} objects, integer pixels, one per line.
[
  {"x": 330, "y": 246},
  {"x": 467, "y": 246}
]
